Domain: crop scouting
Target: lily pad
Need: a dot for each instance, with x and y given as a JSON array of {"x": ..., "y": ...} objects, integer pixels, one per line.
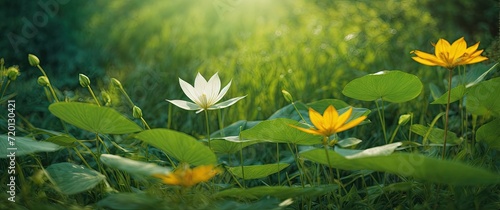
[
  {"x": 280, "y": 131},
  {"x": 178, "y": 145},
  {"x": 93, "y": 118},
  {"x": 230, "y": 144},
  {"x": 482, "y": 99},
  {"x": 489, "y": 133},
  {"x": 392, "y": 86}
]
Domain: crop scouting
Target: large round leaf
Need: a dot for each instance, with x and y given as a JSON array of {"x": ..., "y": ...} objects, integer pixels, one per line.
[
  {"x": 393, "y": 86},
  {"x": 93, "y": 118},
  {"x": 489, "y": 133},
  {"x": 179, "y": 145},
  {"x": 483, "y": 99},
  {"x": 280, "y": 131}
]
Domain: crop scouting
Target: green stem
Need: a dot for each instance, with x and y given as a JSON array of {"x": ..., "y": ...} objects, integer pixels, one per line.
[
  {"x": 278, "y": 160},
  {"x": 297, "y": 110},
  {"x": 93, "y": 96},
  {"x": 450, "y": 73},
  {"x": 241, "y": 163},
  {"x": 208, "y": 128},
  {"x": 5, "y": 89},
  {"x": 145, "y": 123},
  {"x": 299, "y": 166},
  {"x": 221, "y": 122},
  {"x": 126, "y": 96},
  {"x": 382, "y": 120},
  {"x": 50, "y": 85},
  {"x": 325, "y": 145}
]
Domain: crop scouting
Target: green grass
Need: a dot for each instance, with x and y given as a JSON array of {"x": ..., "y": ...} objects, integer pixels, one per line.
[{"x": 311, "y": 49}]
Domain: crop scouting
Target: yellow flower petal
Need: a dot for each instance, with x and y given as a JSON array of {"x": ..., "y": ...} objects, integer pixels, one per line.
[
  {"x": 343, "y": 118},
  {"x": 330, "y": 122},
  {"x": 450, "y": 56},
  {"x": 187, "y": 177},
  {"x": 457, "y": 49},
  {"x": 351, "y": 124},
  {"x": 316, "y": 119}
]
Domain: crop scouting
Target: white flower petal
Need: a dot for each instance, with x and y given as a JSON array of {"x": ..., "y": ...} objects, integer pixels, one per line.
[
  {"x": 200, "y": 83},
  {"x": 185, "y": 104},
  {"x": 190, "y": 91},
  {"x": 225, "y": 104},
  {"x": 223, "y": 92},
  {"x": 212, "y": 89}
]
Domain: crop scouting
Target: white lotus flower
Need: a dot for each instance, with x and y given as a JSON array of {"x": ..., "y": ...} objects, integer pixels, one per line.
[{"x": 204, "y": 94}]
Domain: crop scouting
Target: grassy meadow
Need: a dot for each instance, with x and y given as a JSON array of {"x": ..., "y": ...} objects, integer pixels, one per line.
[{"x": 328, "y": 104}]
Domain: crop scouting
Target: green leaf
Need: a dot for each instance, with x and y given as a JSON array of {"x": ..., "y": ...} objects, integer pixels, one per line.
[
  {"x": 482, "y": 99},
  {"x": 234, "y": 129},
  {"x": 392, "y": 86},
  {"x": 410, "y": 165},
  {"x": 280, "y": 192},
  {"x": 477, "y": 73},
  {"x": 257, "y": 171},
  {"x": 348, "y": 142},
  {"x": 435, "y": 135},
  {"x": 230, "y": 144},
  {"x": 93, "y": 118},
  {"x": 24, "y": 146},
  {"x": 457, "y": 93},
  {"x": 133, "y": 166},
  {"x": 63, "y": 140},
  {"x": 489, "y": 133},
  {"x": 179, "y": 145},
  {"x": 280, "y": 131},
  {"x": 71, "y": 179},
  {"x": 375, "y": 151}
]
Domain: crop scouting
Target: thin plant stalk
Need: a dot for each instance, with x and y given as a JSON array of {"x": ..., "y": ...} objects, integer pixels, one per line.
[
  {"x": 450, "y": 74},
  {"x": 208, "y": 128},
  {"x": 93, "y": 95},
  {"x": 382, "y": 119},
  {"x": 299, "y": 166},
  {"x": 221, "y": 122},
  {"x": 50, "y": 85}
]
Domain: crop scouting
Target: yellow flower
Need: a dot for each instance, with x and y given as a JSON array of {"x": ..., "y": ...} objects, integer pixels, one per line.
[
  {"x": 330, "y": 122},
  {"x": 450, "y": 56},
  {"x": 187, "y": 177}
]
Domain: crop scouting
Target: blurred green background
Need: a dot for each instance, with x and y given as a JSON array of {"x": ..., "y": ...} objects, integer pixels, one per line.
[{"x": 310, "y": 48}]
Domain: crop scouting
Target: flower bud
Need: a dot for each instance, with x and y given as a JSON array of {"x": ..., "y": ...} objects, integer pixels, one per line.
[
  {"x": 13, "y": 73},
  {"x": 116, "y": 83},
  {"x": 43, "y": 81},
  {"x": 84, "y": 80},
  {"x": 106, "y": 98},
  {"x": 33, "y": 60},
  {"x": 137, "y": 112},
  {"x": 403, "y": 119},
  {"x": 287, "y": 96}
]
